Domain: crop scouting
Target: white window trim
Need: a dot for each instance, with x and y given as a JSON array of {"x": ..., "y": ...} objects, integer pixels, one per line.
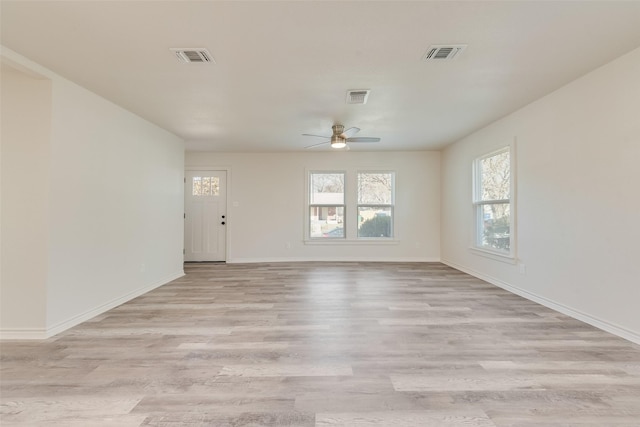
[
  {"x": 362, "y": 241},
  {"x": 511, "y": 256}
]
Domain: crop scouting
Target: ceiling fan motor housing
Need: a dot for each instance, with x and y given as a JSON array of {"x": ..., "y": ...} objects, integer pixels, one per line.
[{"x": 337, "y": 130}]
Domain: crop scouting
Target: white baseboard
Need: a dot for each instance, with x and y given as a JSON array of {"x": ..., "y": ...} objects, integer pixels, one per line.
[
  {"x": 331, "y": 259},
  {"x": 606, "y": 326},
  {"x": 38, "y": 334},
  {"x": 23, "y": 334}
]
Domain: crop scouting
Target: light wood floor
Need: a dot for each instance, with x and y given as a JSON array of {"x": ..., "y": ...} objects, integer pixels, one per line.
[{"x": 314, "y": 344}]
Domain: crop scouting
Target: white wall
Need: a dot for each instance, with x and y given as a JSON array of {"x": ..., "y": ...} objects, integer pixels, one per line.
[
  {"x": 114, "y": 193},
  {"x": 269, "y": 189},
  {"x": 578, "y": 199},
  {"x": 26, "y": 126}
]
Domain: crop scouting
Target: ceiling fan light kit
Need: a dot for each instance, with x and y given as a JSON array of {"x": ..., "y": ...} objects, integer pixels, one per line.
[{"x": 337, "y": 142}]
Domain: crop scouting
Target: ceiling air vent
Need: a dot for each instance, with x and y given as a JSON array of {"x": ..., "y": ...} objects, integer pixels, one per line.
[
  {"x": 357, "y": 96},
  {"x": 193, "y": 54},
  {"x": 442, "y": 52}
]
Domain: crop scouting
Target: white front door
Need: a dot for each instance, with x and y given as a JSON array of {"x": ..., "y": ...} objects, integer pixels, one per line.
[{"x": 205, "y": 215}]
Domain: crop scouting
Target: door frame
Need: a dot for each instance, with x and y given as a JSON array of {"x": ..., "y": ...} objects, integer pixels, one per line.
[{"x": 226, "y": 169}]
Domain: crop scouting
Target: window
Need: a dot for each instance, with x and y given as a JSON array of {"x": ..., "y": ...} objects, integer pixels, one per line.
[
  {"x": 205, "y": 186},
  {"x": 492, "y": 202},
  {"x": 326, "y": 205},
  {"x": 375, "y": 204},
  {"x": 348, "y": 205}
]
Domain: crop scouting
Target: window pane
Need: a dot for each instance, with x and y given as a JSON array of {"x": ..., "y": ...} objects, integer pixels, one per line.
[
  {"x": 327, "y": 188},
  {"x": 326, "y": 221},
  {"x": 375, "y": 188},
  {"x": 374, "y": 221},
  {"x": 197, "y": 186},
  {"x": 215, "y": 186},
  {"x": 494, "y": 223},
  {"x": 495, "y": 177}
]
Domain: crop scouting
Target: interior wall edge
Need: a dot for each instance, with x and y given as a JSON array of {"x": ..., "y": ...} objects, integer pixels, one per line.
[
  {"x": 602, "y": 324},
  {"x": 40, "y": 334},
  {"x": 89, "y": 314}
]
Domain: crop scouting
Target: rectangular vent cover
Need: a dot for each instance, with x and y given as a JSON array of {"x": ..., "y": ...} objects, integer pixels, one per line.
[
  {"x": 357, "y": 96},
  {"x": 193, "y": 54},
  {"x": 444, "y": 52}
]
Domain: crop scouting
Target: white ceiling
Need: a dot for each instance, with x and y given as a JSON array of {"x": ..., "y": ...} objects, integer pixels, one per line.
[{"x": 283, "y": 68}]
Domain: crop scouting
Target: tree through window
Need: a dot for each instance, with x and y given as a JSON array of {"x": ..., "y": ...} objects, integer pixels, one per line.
[
  {"x": 492, "y": 201},
  {"x": 375, "y": 204}
]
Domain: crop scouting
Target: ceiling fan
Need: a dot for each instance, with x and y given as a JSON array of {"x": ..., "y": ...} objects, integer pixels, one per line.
[{"x": 341, "y": 136}]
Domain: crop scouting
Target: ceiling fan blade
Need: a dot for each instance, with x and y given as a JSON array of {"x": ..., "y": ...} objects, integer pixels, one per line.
[
  {"x": 315, "y": 145},
  {"x": 363, "y": 139},
  {"x": 351, "y": 131},
  {"x": 317, "y": 136}
]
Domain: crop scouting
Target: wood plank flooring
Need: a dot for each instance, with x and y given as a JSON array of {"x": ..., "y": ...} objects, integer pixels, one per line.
[{"x": 324, "y": 344}]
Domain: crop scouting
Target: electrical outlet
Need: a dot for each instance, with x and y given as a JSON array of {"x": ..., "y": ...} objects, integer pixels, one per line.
[
  {"x": 522, "y": 268},
  {"x": 287, "y": 245}
]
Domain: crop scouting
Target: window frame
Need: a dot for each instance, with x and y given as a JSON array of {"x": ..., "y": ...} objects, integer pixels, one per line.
[
  {"x": 478, "y": 205},
  {"x": 390, "y": 206},
  {"x": 311, "y": 205},
  {"x": 350, "y": 201}
]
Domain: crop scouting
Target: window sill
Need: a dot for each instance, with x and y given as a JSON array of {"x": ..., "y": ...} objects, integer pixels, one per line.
[
  {"x": 352, "y": 242},
  {"x": 497, "y": 256}
]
